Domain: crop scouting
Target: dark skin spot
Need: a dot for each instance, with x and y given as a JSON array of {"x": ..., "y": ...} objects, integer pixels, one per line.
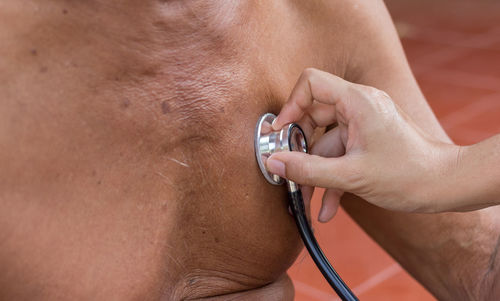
[
  {"x": 216, "y": 239},
  {"x": 165, "y": 107},
  {"x": 125, "y": 103},
  {"x": 149, "y": 72},
  {"x": 44, "y": 69},
  {"x": 99, "y": 182},
  {"x": 203, "y": 232},
  {"x": 34, "y": 52},
  {"x": 65, "y": 11},
  {"x": 160, "y": 24}
]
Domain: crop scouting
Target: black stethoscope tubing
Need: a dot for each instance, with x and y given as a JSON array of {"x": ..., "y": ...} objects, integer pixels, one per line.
[{"x": 298, "y": 210}]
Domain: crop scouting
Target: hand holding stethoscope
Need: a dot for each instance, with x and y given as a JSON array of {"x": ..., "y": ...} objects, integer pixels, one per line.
[{"x": 376, "y": 151}]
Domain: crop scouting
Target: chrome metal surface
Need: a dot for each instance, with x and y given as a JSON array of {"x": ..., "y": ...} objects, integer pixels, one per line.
[
  {"x": 292, "y": 186},
  {"x": 267, "y": 142},
  {"x": 296, "y": 142}
]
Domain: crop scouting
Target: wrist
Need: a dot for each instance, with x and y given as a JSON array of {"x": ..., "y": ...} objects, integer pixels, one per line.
[
  {"x": 444, "y": 190},
  {"x": 461, "y": 185},
  {"x": 478, "y": 176}
]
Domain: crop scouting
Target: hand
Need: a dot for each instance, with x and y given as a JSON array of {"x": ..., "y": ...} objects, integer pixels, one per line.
[{"x": 375, "y": 151}]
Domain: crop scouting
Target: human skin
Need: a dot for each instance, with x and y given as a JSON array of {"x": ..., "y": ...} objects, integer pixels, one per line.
[
  {"x": 126, "y": 134},
  {"x": 378, "y": 153},
  {"x": 375, "y": 152}
]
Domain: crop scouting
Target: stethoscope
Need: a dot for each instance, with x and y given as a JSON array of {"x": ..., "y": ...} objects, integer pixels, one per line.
[{"x": 292, "y": 138}]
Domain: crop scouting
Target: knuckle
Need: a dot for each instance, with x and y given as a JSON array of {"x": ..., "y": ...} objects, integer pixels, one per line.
[
  {"x": 357, "y": 180},
  {"x": 354, "y": 89},
  {"x": 370, "y": 93},
  {"x": 379, "y": 95},
  {"x": 377, "y": 99},
  {"x": 383, "y": 95},
  {"x": 362, "y": 93},
  {"x": 308, "y": 72},
  {"x": 354, "y": 178},
  {"x": 382, "y": 98}
]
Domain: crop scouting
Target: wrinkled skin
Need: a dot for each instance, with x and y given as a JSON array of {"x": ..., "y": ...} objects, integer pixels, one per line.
[{"x": 126, "y": 141}]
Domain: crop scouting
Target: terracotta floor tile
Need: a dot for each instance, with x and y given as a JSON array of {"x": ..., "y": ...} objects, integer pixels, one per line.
[
  {"x": 468, "y": 19},
  {"x": 478, "y": 62},
  {"x": 463, "y": 135},
  {"x": 479, "y": 116},
  {"x": 445, "y": 98},
  {"x": 471, "y": 17},
  {"x": 399, "y": 287},
  {"x": 417, "y": 50},
  {"x": 302, "y": 296},
  {"x": 495, "y": 46},
  {"x": 454, "y": 47},
  {"x": 357, "y": 259},
  {"x": 478, "y": 128},
  {"x": 460, "y": 78},
  {"x": 437, "y": 59},
  {"x": 306, "y": 292},
  {"x": 350, "y": 250}
]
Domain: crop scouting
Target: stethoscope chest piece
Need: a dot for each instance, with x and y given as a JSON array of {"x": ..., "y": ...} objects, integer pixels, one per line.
[
  {"x": 292, "y": 138},
  {"x": 267, "y": 142}
]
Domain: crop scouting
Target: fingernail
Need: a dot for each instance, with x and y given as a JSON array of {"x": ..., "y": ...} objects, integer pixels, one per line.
[
  {"x": 273, "y": 124},
  {"x": 321, "y": 217},
  {"x": 276, "y": 167}
]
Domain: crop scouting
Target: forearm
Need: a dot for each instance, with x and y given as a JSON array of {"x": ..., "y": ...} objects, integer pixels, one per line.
[
  {"x": 465, "y": 179},
  {"x": 453, "y": 255},
  {"x": 476, "y": 180}
]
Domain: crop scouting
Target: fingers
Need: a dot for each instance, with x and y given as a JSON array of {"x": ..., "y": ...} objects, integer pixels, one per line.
[
  {"x": 324, "y": 115},
  {"x": 330, "y": 204},
  {"x": 308, "y": 169},
  {"x": 308, "y": 126},
  {"x": 312, "y": 85},
  {"x": 331, "y": 144}
]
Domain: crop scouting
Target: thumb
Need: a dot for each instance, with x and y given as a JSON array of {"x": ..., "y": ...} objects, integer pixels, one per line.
[{"x": 308, "y": 169}]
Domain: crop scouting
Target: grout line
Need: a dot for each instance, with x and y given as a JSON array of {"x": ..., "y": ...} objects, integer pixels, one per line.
[
  {"x": 456, "y": 38},
  {"x": 430, "y": 61},
  {"x": 474, "y": 42},
  {"x": 471, "y": 136},
  {"x": 465, "y": 79},
  {"x": 378, "y": 278},
  {"x": 468, "y": 112},
  {"x": 365, "y": 286}
]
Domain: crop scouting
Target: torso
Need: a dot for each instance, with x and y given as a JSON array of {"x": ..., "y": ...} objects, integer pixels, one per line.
[{"x": 126, "y": 133}]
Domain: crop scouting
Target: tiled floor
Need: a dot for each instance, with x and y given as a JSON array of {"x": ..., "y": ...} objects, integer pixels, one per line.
[{"x": 454, "y": 49}]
